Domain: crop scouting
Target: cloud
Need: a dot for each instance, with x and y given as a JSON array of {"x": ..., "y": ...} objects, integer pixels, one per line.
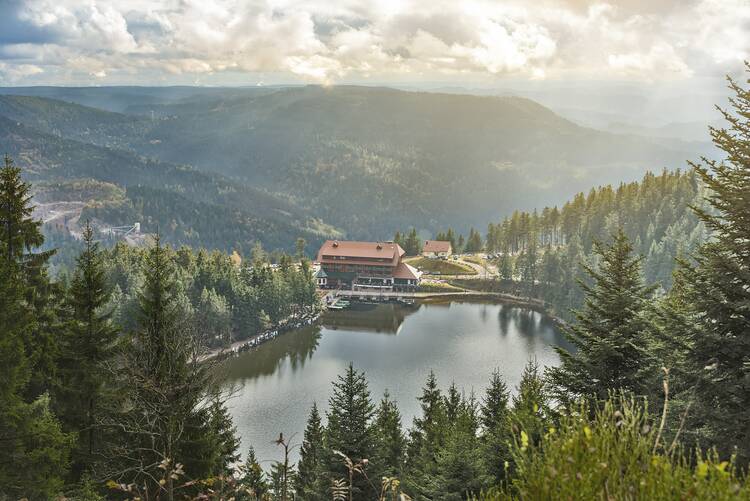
[{"x": 76, "y": 41}]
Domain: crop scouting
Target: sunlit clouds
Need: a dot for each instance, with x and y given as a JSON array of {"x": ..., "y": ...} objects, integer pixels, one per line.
[{"x": 182, "y": 41}]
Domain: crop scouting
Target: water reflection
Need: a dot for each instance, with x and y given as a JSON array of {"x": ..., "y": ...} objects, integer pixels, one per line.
[
  {"x": 384, "y": 317},
  {"x": 293, "y": 347},
  {"x": 461, "y": 341}
]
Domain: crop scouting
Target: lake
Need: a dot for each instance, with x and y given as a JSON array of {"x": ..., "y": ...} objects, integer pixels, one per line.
[{"x": 274, "y": 386}]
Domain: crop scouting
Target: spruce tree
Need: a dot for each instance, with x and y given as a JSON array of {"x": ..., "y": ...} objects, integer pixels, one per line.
[
  {"x": 20, "y": 236},
  {"x": 390, "y": 450},
  {"x": 35, "y": 451},
  {"x": 426, "y": 438},
  {"x": 717, "y": 288},
  {"x": 164, "y": 388},
  {"x": 309, "y": 482},
  {"x": 531, "y": 413},
  {"x": 609, "y": 335},
  {"x": 459, "y": 470},
  {"x": 349, "y": 430},
  {"x": 253, "y": 485},
  {"x": 495, "y": 426},
  {"x": 84, "y": 391}
]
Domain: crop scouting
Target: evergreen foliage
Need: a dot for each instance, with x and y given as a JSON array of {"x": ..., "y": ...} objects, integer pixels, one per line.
[
  {"x": 548, "y": 247},
  {"x": 36, "y": 451},
  {"x": 87, "y": 349},
  {"x": 717, "y": 292},
  {"x": 309, "y": 482},
  {"x": 349, "y": 429},
  {"x": 610, "y": 346},
  {"x": 390, "y": 447}
]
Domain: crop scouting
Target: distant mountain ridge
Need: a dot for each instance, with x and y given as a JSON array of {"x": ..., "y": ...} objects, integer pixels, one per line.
[
  {"x": 367, "y": 160},
  {"x": 158, "y": 193}
]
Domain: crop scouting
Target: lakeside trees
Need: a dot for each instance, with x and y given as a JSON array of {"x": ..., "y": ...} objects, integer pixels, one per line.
[{"x": 100, "y": 372}]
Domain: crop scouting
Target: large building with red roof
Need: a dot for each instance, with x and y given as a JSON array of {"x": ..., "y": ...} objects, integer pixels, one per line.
[{"x": 365, "y": 266}]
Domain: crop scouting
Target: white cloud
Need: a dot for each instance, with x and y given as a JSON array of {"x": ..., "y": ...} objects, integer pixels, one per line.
[{"x": 319, "y": 40}]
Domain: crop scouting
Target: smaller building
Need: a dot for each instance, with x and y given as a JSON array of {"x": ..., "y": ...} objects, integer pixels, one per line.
[
  {"x": 437, "y": 249},
  {"x": 321, "y": 278}
]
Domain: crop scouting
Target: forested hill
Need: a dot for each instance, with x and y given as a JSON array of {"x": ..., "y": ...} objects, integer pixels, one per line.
[
  {"x": 186, "y": 205},
  {"x": 367, "y": 160},
  {"x": 655, "y": 214}
]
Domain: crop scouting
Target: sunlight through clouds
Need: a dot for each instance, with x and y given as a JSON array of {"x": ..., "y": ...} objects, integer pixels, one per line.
[{"x": 72, "y": 41}]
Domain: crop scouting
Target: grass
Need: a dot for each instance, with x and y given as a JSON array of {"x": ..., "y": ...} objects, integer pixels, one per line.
[
  {"x": 440, "y": 266},
  {"x": 475, "y": 259},
  {"x": 438, "y": 287}
]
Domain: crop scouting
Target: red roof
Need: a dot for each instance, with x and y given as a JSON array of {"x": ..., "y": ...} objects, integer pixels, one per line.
[
  {"x": 436, "y": 246},
  {"x": 363, "y": 252},
  {"x": 406, "y": 272}
]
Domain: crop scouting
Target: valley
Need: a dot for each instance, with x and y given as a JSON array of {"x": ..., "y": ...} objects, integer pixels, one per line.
[{"x": 313, "y": 161}]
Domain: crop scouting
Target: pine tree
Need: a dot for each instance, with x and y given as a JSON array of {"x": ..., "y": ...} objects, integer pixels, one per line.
[
  {"x": 531, "y": 414},
  {"x": 718, "y": 291},
  {"x": 495, "y": 425},
  {"x": 253, "y": 485},
  {"x": 412, "y": 243},
  {"x": 506, "y": 264},
  {"x": 450, "y": 236},
  {"x": 224, "y": 441},
  {"x": 609, "y": 336},
  {"x": 309, "y": 482},
  {"x": 35, "y": 451},
  {"x": 349, "y": 429},
  {"x": 20, "y": 235},
  {"x": 426, "y": 437},
  {"x": 163, "y": 388},
  {"x": 83, "y": 393},
  {"x": 453, "y": 402},
  {"x": 390, "y": 450},
  {"x": 459, "y": 472}
]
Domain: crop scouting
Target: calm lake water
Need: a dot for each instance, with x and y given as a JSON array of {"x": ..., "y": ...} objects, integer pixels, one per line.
[{"x": 396, "y": 346}]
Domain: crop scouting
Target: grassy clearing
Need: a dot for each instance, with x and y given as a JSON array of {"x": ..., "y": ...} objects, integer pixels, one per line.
[
  {"x": 475, "y": 259},
  {"x": 427, "y": 286},
  {"x": 440, "y": 266}
]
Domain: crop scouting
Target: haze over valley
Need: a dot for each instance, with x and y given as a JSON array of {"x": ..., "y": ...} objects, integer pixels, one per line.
[{"x": 342, "y": 161}]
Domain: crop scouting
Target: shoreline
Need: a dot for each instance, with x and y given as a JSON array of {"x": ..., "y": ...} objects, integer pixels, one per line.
[
  {"x": 292, "y": 323},
  {"x": 256, "y": 340}
]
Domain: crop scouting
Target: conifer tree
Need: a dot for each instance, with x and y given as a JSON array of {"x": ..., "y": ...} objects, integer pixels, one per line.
[
  {"x": 412, "y": 243},
  {"x": 84, "y": 391},
  {"x": 35, "y": 452},
  {"x": 450, "y": 236},
  {"x": 163, "y": 388},
  {"x": 495, "y": 425},
  {"x": 506, "y": 264},
  {"x": 452, "y": 403},
  {"x": 309, "y": 482},
  {"x": 390, "y": 450},
  {"x": 609, "y": 335},
  {"x": 459, "y": 471},
  {"x": 717, "y": 288},
  {"x": 253, "y": 485},
  {"x": 531, "y": 413},
  {"x": 349, "y": 429},
  {"x": 426, "y": 437}
]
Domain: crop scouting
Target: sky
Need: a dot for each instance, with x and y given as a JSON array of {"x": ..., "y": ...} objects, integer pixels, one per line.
[{"x": 469, "y": 42}]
